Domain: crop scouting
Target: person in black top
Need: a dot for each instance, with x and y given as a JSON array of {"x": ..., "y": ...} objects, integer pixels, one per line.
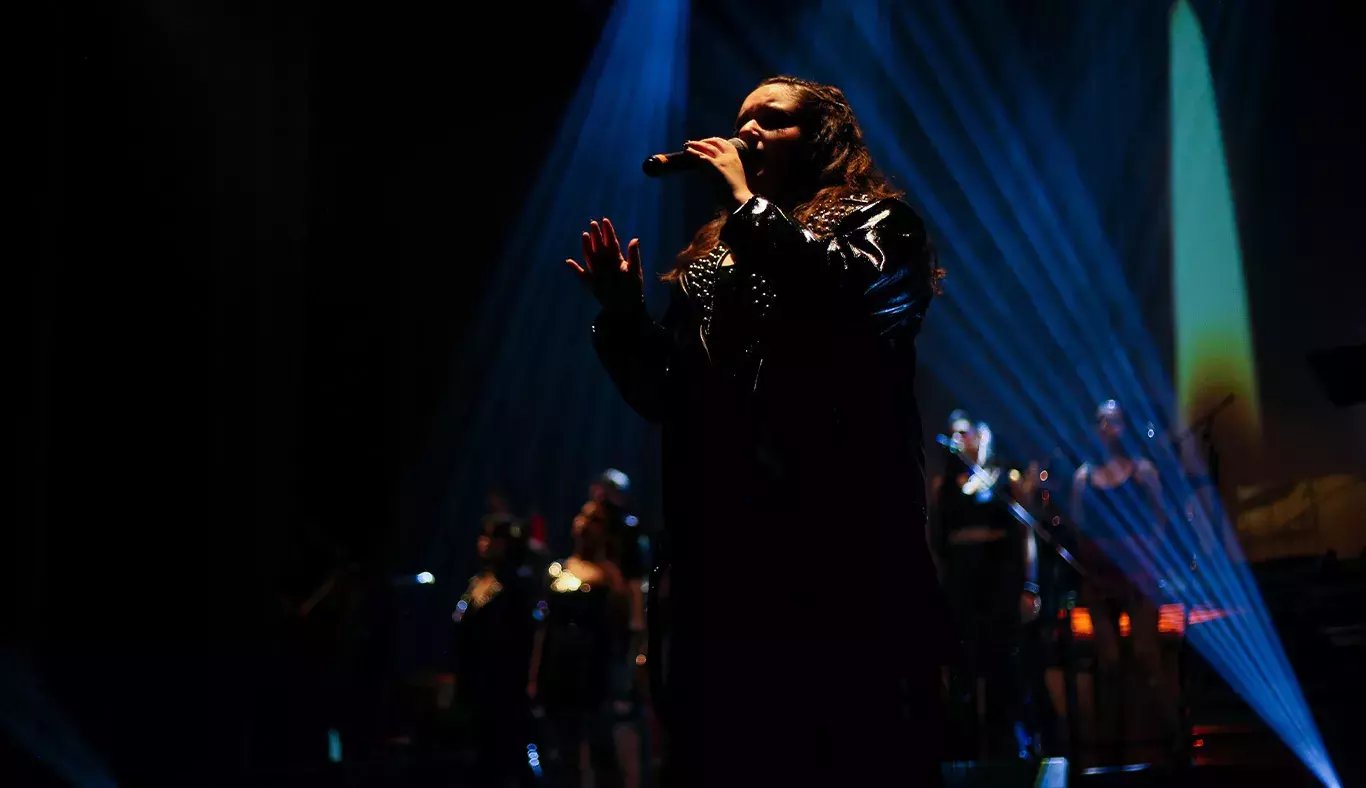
[
  {"x": 1116, "y": 506},
  {"x": 991, "y": 576},
  {"x": 628, "y": 543},
  {"x": 629, "y": 548},
  {"x": 495, "y": 627},
  {"x": 579, "y": 649},
  {"x": 783, "y": 376}
]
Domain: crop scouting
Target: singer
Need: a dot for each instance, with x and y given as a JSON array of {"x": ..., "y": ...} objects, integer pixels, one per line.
[{"x": 794, "y": 553}]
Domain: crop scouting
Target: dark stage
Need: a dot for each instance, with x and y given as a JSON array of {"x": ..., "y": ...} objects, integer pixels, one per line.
[{"x": 298, "y": 319}]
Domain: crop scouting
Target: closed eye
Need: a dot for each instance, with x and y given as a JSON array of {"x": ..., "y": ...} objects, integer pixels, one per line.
[{"x": 768, "y": 118}]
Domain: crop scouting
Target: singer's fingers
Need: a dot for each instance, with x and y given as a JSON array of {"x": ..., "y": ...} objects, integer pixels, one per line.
[
  {"x": 698, "y": 149},
  {"x": 595, "y": 232},
  {"x": 609, "y": 235},
  {"x": 718, "y": 144},
  {"x": 633, "y": 257},
  {"x": 587, "y": 241},
  {"x": 578, "y": 269}
]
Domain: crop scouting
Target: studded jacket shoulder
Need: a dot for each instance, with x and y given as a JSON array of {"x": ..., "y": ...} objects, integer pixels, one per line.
[{"x": 870, "y": 255}]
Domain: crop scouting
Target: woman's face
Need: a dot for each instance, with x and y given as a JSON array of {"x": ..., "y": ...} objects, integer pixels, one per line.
[
  {"x": 966, "y": 436},
  {"x": 768, "y": 122},
  {"x": 588, "y": 525},
  {"x": 1110, "y": 426},
  {"x": 490, "y": 547}
]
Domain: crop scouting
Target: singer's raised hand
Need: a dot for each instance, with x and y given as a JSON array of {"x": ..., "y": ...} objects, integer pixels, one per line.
[
  {"x": 616, "y": 280},
  {"x": 725, "y": 160}
]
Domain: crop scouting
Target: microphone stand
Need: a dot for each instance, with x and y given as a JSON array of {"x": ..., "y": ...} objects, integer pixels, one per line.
[
  {"x": 1204, "y": 428},
  {"x": 1017, "y": 511}
]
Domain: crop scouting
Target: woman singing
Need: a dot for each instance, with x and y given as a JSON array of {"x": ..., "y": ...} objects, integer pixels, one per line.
[{"x": 782, "y": 374}]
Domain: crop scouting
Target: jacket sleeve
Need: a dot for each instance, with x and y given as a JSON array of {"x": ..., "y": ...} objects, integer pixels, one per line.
[
  {"x": 638, "y": 355},
  {"x": 879, "y": 253}
]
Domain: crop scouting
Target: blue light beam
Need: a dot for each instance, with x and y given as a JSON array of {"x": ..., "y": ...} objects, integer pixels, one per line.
[
  {"x": 1040, "y": 321},
  {"x": 544, "y": 416}
]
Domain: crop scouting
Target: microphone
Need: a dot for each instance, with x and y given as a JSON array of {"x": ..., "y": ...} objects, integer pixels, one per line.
[{"x": 681, "y": 161}]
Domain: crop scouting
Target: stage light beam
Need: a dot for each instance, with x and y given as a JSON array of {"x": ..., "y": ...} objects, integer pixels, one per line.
[{"x": 1214, "y": 351}]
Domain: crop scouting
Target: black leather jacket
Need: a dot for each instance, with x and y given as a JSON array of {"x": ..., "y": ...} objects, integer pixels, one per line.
[{"x": 784, "y": 384}]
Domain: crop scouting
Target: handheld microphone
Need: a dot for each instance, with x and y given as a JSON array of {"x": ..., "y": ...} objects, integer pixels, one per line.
[{"x": 682, "y": 161}]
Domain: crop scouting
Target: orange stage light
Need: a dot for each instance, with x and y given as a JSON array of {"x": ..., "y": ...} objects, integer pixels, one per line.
[
  {"x": 1082, "y": 627},
  {"x": 1171, "y": 620}
]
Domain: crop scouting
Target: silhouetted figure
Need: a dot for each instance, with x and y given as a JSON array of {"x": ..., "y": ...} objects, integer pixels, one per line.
[
  {"x": 579, "y": 651},
  {"x": 991, "y": 579},
  {"x": 783, "y": 375},
  {"x": 1117, "y": 508},
  {"x": 495, "y": 628},
  {"x": 629, "y": 546}
]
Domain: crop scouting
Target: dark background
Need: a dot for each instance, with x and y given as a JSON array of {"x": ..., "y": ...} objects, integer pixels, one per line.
[{"x": 261, "y": 229}]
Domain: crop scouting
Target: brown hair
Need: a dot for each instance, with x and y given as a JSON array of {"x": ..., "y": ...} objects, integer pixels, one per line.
[{"x": 839, "y": 164}]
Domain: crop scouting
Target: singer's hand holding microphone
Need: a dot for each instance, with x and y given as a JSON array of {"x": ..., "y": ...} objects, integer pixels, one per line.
[
  {"x": 617, "y": 280},
  {"x": 724, "y": 159}
]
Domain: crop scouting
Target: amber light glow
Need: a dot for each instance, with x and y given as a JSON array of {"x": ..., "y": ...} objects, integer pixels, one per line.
[
  {"x": 1082, "y": 628},
  {"x": 1171, "y": 620},
  {"x": 1200, "y": 615}
]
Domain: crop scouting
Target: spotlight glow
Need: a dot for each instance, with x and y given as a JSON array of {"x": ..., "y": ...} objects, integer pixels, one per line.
[
  {"x": 1213, "y": 332},
  {"x": 544, "y": 415}
]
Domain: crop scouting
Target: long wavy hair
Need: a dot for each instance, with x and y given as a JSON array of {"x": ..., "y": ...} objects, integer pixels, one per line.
[{"x": 837, "y": 164}]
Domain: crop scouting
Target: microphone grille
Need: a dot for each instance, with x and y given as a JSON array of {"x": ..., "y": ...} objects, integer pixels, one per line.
[{"x": 741, "y": 146}]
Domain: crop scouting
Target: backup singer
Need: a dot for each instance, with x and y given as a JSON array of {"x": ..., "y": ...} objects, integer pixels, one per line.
[
  {"x": 1117, "y": 506},
  {"x": 990, "y": 566},
  {"x": 783, "y": 374},
  {"x": 578, "y": 651},
  {"x": 493, "y": 639}
]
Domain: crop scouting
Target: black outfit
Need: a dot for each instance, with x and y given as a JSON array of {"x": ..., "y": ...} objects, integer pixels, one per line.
[
  {"x": 1129, "y": 670},
  {"x": 984, "y": 581},
  {"x": 628, "y": 548},
  {"x": 493, "y": 661},
  {"x": 784, "y": 384},
  {"x": 1108, "y": 590},
  {"x": 584, "y": 630},
  {"x": 628, "y": 542}
]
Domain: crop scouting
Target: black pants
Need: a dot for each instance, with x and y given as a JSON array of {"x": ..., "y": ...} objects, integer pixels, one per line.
[
  {"x": 573, "y": 727},
  {"x": 832, "y": 704},
  {"x": 984, "y": 586},
  {"x": 501, "y": 731}
]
